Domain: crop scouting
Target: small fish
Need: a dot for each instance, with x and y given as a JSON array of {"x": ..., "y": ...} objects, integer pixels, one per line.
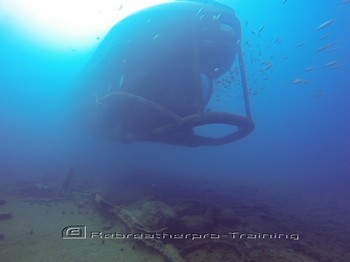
[
  {"x": 325, "y": 36},
  {"x": 284, "y": 1},
  {"x": 121, "y": 81},
  {"x": 309, "y": 69},
  {"x": 278, "y": 41},
  {"x": 346, "y": 1},
  {"x": 333, "y": 49},
  {"x": 298, "y": 81},
  {"x": 331, "y": 64},
  {"x": 325, "y": 24},
  {"x": 318, "y": 95},
  {"x": 300, "y": 44},
  {"x": 267, "y": 67},
  {"x": 98, "y": 101},
  {"x": 261, "y": 28},
  {"x": 253, "y": 92},
  {"x": 322, "y": 48},
  {"x": 156, "y": 36},
  {"x": 199, "y": 11},
  {"x": 253, "y": 32},
  {"x": 217, "y": 17}
]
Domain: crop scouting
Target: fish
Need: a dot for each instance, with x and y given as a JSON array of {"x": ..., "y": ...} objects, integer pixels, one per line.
[
  {"x": 300, "y": 44},
  {"x": 98, "y": 101},
  {"x": 261, "y": 28},
  {"x": 331, "y": 64},
  {"x": 308, "y": 69},
  {"x": 217, "y": 17},
  {"x": 267, "y": 67},
  {"x": 156, "y": 36},
  {"x": 200, "y": 11},
  {"x": 298, "y": 81},
  {"x": 346, "y": 1},
  {"x": 318, "y": 95},
  {"x": 284, "y": 1},
  {"x": 322, "y": 48},
  {"x": 325, "y": 24},
  {"x": 121, "y": 81}
]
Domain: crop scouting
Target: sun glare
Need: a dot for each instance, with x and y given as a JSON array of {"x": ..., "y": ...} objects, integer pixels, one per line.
[{"x": 69, "y": 23}]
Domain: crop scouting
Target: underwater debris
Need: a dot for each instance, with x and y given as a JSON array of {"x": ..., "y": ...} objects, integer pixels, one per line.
[
  {"x": 68, "y": 180},
  {"x": 37, "y": 190},
  {"x": 167, "y": 250},
  {"x": 325, "y": 24},
  {"x": 5, "y": 216}
]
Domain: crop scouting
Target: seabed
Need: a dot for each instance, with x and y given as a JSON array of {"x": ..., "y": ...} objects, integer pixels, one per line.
[{"x": 171, "y": 222}]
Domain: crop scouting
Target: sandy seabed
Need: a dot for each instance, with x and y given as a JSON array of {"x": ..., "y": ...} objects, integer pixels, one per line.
[{"x": 34, "y": 233}]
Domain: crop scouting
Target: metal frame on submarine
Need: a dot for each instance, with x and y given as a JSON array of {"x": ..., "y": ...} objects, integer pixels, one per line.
[{"x": 152, "y": 76}]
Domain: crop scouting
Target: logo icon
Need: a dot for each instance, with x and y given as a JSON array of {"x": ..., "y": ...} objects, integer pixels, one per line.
[{"x": 74, "y": 232}]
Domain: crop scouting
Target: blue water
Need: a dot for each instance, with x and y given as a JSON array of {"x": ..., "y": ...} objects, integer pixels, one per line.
[{"x": 301, "y": 139}]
